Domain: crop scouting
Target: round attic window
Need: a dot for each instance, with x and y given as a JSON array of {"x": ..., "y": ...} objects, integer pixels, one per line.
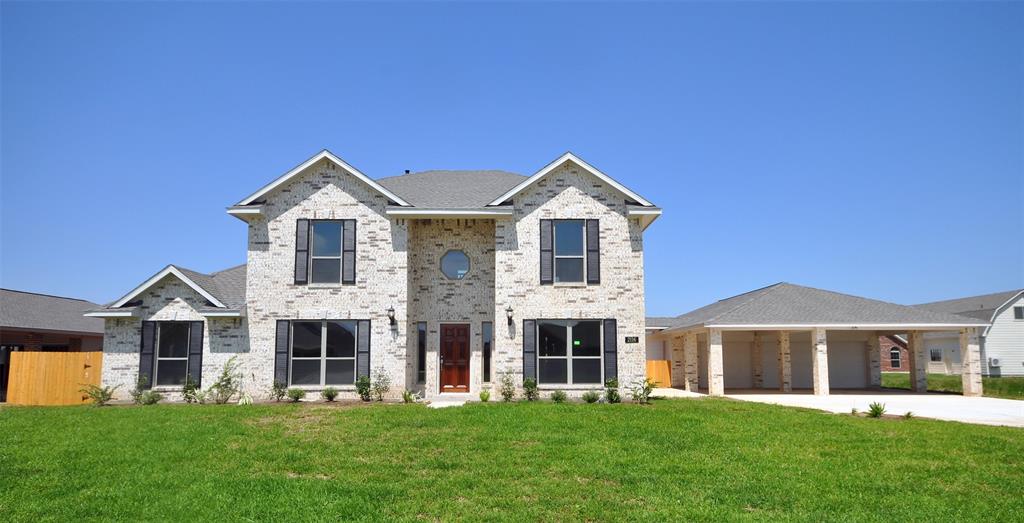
[{"x": 455, "y": 264}]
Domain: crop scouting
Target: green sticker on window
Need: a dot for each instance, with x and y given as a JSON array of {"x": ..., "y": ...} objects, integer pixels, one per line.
[{"x": 576, "y": 343}]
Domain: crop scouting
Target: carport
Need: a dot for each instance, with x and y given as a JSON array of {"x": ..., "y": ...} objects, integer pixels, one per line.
[{"x": 787, "y": 337}]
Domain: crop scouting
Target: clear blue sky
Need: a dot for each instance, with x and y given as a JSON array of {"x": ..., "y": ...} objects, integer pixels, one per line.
[{"x": 869, "y": 148}]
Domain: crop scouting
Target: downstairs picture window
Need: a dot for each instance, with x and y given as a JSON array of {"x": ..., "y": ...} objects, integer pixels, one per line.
[
  {"x": 172, "y": 353},
  {"x": 323, "y": 352},
  {"x": 569, "y": 352}
]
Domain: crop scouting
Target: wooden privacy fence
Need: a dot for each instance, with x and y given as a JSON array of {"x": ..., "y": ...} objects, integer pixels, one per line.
[
  {"x": 52, "y": 378},
  {"x": 660, "y": 371}
]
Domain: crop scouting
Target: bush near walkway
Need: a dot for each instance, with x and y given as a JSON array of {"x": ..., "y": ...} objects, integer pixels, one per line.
[{"x": 1009, "y": 387}]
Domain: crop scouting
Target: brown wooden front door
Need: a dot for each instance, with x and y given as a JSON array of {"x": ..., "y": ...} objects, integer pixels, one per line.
[{"x": 454, "y": 358}]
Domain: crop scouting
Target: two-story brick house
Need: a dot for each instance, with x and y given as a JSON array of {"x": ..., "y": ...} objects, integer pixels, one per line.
[{"x": 445, "y": 280}]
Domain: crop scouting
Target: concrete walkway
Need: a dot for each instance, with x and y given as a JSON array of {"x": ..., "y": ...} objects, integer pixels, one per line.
[{"x": 949, "y": 407}]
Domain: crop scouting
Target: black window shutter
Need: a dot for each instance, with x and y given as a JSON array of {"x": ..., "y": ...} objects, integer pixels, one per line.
[
  {"x": 301, "y": 252},
  {"x": 146, "y": 353},
  {"x": 529, "y": 350},
  {"x": 547, "y": 253},
  {"x": 611, "y": 346},
  {"x": 281, "y": 352},
  {"x": 348, "y": 252},
  {"x": 195, "y": 352},
  {"x": 593, "y": 251},
  {"x": 363, "y": 349}
]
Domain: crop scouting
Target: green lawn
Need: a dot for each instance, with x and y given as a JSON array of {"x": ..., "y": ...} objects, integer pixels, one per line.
[
  {"x": 1012, "y": 388},
  {"x": 708, "y": 459}
]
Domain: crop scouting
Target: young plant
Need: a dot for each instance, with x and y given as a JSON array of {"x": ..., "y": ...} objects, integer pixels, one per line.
[
  {"x": 278, "y": 391},
  {"x": 296, "y": 395},
  {"x": 558, "y": 396},
  {"x": 329, "y": 393},
  {"x": 908, "y": 415},
  {"x": 485, "y": 395},
  {"x": 150, "y": 397},
  {"x": 228, "y": 383},
  {"x": 190, "y": 390},
  {"x": 381, "y": 383},
  {"x": 140, "y": 388},
  {"x": 245, "y": 399},
  {"x": 642, "y": 391},
  {"x": 591, "y": 396},
  {"x": 611, "y": 391},
  {"x": 876, "y": 410},
  {"x": 99, "y": 396},
  {"x": 853, "y": 411},
  {"x": 363, "y": 387},
  {"x": 409, "y": 396},
  {"x": 507, "y": 387},
  {"x": 530, "y": 391}
]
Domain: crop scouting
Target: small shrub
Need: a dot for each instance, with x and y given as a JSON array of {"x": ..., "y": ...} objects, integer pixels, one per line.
[
  {"x": 591, "y": 396},
  {"x": 558, "y": 396},
  {"x": 329, "y": 393},
  {"x": 641, "y": 393},
  {"x": 228, "y": 383},
  {"x": 409, "y": 396},
  {"x": 201, "y": 396},
  {"x": 381, "y": 383},
  {"x": 853, "y": 411},
  {"x": 278, "y": 391},
  {"x": 908, "y": 415},
  {"x": 485, "y": 395},
  {"x": 876, "y": 409},
  {"x": 296, "y": 394},
  {"x": 530, "y": 391},
  {"x": 190, "y": 390},
  {"x": 150, "y": 397},
  {"x": 363, "y": 387},
  {"x": 507, "y": 387},
  {"x": 245, "y": 399},
  {"x": 611, "y": 391},
  {"x": 99, "y": 396},
  {"x": 140, "y": 388}
]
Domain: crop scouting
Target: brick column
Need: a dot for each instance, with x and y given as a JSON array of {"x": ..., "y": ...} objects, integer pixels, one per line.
[
  {"x": 785, "y": 364},
  {"x": 716, "y": 378},
  {"x": 757, "y": 365},
  {"x": 678, "y": 362},
  {"x": 970, "y": 357},
  {"x": 819, "y": 361},
  {"x": 874, "y": 359},
  {"x": 918, "y": 362},
  {"x": 690, "y": 359}
]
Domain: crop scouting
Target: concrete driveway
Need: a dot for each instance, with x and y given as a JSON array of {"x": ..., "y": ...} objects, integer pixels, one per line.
[{"x": 949, "y": 407}]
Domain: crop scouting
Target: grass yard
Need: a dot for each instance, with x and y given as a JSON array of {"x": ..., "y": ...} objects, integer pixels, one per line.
[
  {"x": 707, "y": 459},
  {"x": 1010, "y": 388}
]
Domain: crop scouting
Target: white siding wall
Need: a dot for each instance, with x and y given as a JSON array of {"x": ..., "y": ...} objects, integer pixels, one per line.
[{"x": 1005, "y": 341}]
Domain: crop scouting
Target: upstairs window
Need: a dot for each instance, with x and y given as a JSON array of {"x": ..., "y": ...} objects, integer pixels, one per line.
[
  {"x": 1018, "y": 312},
  {"x": 569, "y": 251},
  {"x": 455, "y": 264},
  {"x": 325, "y": 252}
]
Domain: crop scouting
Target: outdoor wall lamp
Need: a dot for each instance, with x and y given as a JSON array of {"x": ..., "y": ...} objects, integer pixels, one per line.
[
  {"x": 391, "y": 315},
  {"x": 508, "y": 315}
]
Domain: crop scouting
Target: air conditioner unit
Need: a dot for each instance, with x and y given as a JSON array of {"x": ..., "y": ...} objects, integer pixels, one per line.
[{"x": 993, "y": 362}]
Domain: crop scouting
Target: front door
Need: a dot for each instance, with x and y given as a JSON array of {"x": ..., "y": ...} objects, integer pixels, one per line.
[{"x": 454, "y": 358}]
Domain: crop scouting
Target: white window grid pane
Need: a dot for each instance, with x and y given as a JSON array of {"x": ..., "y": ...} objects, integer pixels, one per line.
[
  {"x": 338, "y": 258},
  {"x": 188, "y": 341},
  {"x": 322, "y": 358},
  {"x": 583, "y": 256},
  {"x": 569, "y": 358}
]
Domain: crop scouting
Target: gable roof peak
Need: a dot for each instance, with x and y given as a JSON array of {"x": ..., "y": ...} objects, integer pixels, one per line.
[{"x": 566, "y": 157}]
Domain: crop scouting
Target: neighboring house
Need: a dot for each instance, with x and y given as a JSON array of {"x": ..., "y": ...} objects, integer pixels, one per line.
[
  {"x": 1002, "y": 339},
  {"x": 893, "y": 353},
  {"x": 442, "y": 280},
  {"x": 40, "y": 322}
]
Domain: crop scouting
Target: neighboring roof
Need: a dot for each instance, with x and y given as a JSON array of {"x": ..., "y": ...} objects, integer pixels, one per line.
[
  {"x": 795, "y": 306},
  {"x": 570, "y": 157},
  {"x": 328, "y": 155},
  {"x": 659, "y": 322},
  {"x": 28, "y": 310},
  {"x": 224, "y": 289},
  {"x": 981, "y": 307},
  {"x": 451, "y": 189}
]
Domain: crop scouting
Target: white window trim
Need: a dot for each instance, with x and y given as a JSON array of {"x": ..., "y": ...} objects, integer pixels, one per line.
[
  {"x": 340, "y": 257},
  {"x": 157, "y": 359},
  {"x": 556, "y": 257},
  {"x": 899, "y": 357},
  {"x": 322, "y": 358},
  {"x": 568, "y": 353}
]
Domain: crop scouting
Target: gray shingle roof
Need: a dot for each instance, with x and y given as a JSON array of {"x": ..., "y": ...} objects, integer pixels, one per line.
[
  {"x": 451, "y": 189},
  {"x": 788, "y": 304},
  {"x": 227, "y": 285},
  {"x": 27, "y": 310},
  {"x": 981, "y": 307}
]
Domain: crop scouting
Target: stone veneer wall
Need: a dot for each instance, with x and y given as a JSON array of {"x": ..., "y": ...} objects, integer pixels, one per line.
[
  {"x": 435, "y": 299},
  {"x": 570, "y": 192},
  {"x": 326, "y": 191},
  {"x": 170, "y": 299}
]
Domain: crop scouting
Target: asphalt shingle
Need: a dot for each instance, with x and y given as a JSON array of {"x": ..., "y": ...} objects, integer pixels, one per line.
[
  {"x": 27, "y": 310},
  {"x": 451, "y": 189}
]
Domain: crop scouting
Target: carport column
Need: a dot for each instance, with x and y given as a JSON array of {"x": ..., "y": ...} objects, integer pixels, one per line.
[
  {"x": 819, "y": 355},
  {"x": 785, "y": 364},
  {"x": 874, "y": 361},
  {"x": 678, "y": 362},
  {"x": 918, "y": 362},
  {"x": 690, "y": 357},
  {"x": 970, "y": 371},
  {"x": 716, "y": 379},
  {"x": 757, "y": 366}
]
